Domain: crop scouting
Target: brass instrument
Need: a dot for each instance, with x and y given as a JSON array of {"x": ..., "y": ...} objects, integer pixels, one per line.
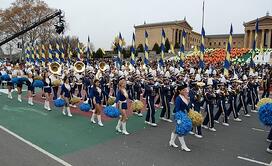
[
  {"x": 102, "y": 66},
  {"x": 55, "y": 68},
  {"x": 79, "y": 67}
]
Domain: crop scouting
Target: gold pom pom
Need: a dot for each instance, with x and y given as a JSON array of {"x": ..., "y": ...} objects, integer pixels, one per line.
[
  {"x": 38, "y": 78},
  {"x": 137, "y": 105},
  {"x": 75, "y": 100},
  {"x": 111, "y": 100},
  {"x": 264, "y": 101},
  {"x": 56, "y": 83},
  {"x": 196, "y": 117}
]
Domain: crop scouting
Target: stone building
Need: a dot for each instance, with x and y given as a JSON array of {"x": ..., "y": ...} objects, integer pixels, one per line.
[{"x": 173, "y": 30}]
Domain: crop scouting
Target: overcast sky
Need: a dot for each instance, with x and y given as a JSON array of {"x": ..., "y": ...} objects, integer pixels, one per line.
[{"x": 103, "y": 19}]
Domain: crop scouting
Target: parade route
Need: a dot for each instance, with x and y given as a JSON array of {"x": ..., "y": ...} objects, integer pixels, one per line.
[{"x": 77, "y": 142}]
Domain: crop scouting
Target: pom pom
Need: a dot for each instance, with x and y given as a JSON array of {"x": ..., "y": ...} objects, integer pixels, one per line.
[
  {"x": 111, "y": 100},
  {"x": 196, "y": 117},
  {"x": 137, "y": 105},
  {"x": 15, "y": 80},
  {"x": 38, "y": 78},
  {"x": 38, "y": 84},
  {"x": 265, "y": 114},
  {"x": 85, "y": 107},
  {"x": 23, "y": 79},
  {"x": 111, "y": 112},
  {"x": 183, "y": 123},
  {"x": 75, "y": 100},
  {"x": 56, "y": 83},
  {"x": 264, "y": 101},
  {"x": 5, "y": 77},
  {"x": 59, "y": 102}
]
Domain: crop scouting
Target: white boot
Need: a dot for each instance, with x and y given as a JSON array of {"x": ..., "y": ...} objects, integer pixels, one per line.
[
  {"x": 64, "y": 110},
  {"x": 69, "y": 112},
  {"x": 99, "y": 120},
  {"x": 30, "y": 102},
  {"x": 48, "y": 106},
  {"x": 92, "y": 118},
  {"x": 9, "y": 95},
  {"x": 124, "y": 126},
  {"x": 45, "y": 105},
  {"x": 20, "y": 98},
  {"x": 118, "y": 126},
  {"x": 172, "y": 140},
  {"x": 183, "y": 144}
]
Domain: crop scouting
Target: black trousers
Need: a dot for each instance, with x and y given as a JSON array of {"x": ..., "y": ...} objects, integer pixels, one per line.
[
  {"x": 150, "y": 115},
  {"x": 209, "y": 117},
  {"x": 232, "y": 109},
  {"x": 222, "y": 110},
  {"x": 166, "y": 107},
  {"x": 242, "y": 104},
  {"x": 55, "y": 92},
  {"x": 266, "y": 93}
]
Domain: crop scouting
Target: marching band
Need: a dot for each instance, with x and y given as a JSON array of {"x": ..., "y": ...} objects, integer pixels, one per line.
[{"x": 207, "y": 91}]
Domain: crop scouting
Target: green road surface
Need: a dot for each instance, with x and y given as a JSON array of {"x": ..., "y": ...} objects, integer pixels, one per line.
[{"x": 54, "y": 132}]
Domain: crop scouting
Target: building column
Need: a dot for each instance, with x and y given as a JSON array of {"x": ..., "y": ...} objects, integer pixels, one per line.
[
  {"x": 250, "y": 43},
  {"x": 262, "y": 39},
  {"x": 245, "y": 39},
  {"x": 269, "y": 38}
]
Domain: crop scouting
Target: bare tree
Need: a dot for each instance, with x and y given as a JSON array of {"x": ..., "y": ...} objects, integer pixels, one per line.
[{"x": 23, "y": 13}]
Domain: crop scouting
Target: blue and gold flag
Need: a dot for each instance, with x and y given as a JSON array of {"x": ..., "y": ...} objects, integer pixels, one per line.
[
  {"x": 132, "y": 50},
  {"x": 146, "y": 62},
  {"x": 182, "y": 49},
  {"x": 163, "y": 38},
  {"x": 202, "y": 49},
  {"x": 228, "y": 53}
]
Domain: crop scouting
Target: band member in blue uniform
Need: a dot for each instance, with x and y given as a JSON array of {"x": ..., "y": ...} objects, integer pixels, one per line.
[
  {"x": 165, "y": 92},
  {"x": 97, "y": 101},
  {"x": 30, "y": 88},
  {"x": 242, "y": 90},
  {"x": 9, "y": 84},
  {"x": 195, "y": 95},
  {"x": 54, "y": 77},
  {"x": 221, "y": 96},
  {"x": 209, "y": 98},
  {"x": 233, "y": 102},
  {"x": 136, "y": 93},
  {"x": 66, "y": 95},
  {"x": 150, "y": 101},
  {"x": 121, "y": 101},
  {"x": 181, "y": 104},
  {"x": 47, "y": 88},
  {"x": 78, "y": 84},
  {"x": 250, "y": 97},
  {"x": 266, "y": 85}
]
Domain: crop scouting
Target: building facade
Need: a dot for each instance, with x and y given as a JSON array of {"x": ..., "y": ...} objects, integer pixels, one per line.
[{"x": 173, "y": 31}]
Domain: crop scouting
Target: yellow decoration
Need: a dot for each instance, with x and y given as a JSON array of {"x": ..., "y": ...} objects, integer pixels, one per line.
[
  {"x": 75, "y": 100},
  {"x": 111, "y": 100},
  {"x": 264, "y": 101},
  {"x": 137, "y": 105},
  {"x": 56, "y": 83},
  {"x": 197, "y": 118},
  {"x": 38, "y": 78}
]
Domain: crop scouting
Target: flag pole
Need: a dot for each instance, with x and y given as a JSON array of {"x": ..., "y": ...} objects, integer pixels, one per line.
[{"x": 203, "y": 9}]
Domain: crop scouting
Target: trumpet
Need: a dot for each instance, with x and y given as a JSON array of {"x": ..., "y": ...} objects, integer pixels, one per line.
[
  {"x": 55, "y": 68},
  {"x": 79, "y": 67}
]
